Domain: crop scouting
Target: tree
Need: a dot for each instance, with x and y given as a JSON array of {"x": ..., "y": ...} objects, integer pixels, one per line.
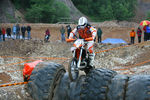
[
  {"x": 148, "y": 15},
  {"x": 59, "y": 8},
  {"x": 23, "y": 4},
  {"x": 46, "y": 11},
  {"x": 106, "y": 12},
  {"x": 101, "y": 10},
  {"x": 122, "y": 10}
]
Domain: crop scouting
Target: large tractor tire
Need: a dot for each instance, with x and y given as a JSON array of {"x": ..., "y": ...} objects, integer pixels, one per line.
[
  {"x": 44, "y": 79},
  {"x": 117, "y": 88},
  {"x": 138, "y": 88},
  {"x": 75, "y": 88},
  {"x": 96, "y": 84},
  {"x": 62, "y": 90}
]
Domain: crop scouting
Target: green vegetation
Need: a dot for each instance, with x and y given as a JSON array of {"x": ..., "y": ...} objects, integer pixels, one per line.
[
  {"x": 42, "y": 11},
  {"x": 22, "y": 4},
  {"x": 10, "y": 17},
  {"x": 148, "y": 15},
  {"x": 100, "y": 10},
  {"x": 51, "y": 11}
]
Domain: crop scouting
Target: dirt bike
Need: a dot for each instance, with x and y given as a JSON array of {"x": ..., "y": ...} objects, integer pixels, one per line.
[{"x": 80, "y": 59}]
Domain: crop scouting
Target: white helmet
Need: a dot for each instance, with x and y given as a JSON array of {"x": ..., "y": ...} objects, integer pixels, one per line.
[{"x": 82, "y": 21}]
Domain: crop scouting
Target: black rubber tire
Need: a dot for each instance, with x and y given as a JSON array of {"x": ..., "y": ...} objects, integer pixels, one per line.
[
  {"x": 138, "y": 88},
  {"x": 62, "y": 90},
  {"x": 117, "y": 88},
  {"x": 44, "y": 79},
  {"x": 70, "y": 72},
  {"x": 95, "y": 86},
  {"x": 75, "y": 88}
]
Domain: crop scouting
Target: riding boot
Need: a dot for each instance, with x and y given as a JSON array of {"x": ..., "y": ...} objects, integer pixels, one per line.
[{"x": 91, "y": 60}]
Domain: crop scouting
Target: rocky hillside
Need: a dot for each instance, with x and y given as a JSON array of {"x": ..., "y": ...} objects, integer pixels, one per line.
[
  {"x": 9, "y": 14},
  {"x": 142, "y": 8},
  {"x": 7, "y": 11}
]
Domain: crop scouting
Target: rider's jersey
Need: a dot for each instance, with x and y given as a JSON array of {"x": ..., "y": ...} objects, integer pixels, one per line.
[{"x": 87, "y": 32}]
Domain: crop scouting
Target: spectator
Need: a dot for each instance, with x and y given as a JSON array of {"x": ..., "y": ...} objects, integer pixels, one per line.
[
  {"x": 62, "y": 31},
  {"x": 14, "y": 31},
  {"x": 148, "y": 31},
  {"x": 139, "y": 34},
  {"x": 3, "y": 32},
  {"x": 0, "y": 34},
  {"x": 29, "y": 31},
  {"x": 23, "y": 30},
  {"x": 132, "y": 36},
  {"x": 68, "y": 30},
  {"x": 99, "y": 34},
  {"x": 8, "y": 30},
  {"x": 17, "y": 31},
  {"x": 47, "y": 35},
  {"x": 145, "y": 33}
]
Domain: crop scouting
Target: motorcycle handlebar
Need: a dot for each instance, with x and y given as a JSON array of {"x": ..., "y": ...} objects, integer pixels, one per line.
[
  {"x": 86, "y": 39},
  {"x": 70, "y": 40}
]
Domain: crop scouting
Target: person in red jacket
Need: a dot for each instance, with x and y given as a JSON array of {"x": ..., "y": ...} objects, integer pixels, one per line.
[
  {"x": 139, "y": 34},
  {"x": 47, "y": 35},
  {"x": 3, "y": 33},
  {"x": 145, "y": 33},
  {"x": 132, "y": 35}
]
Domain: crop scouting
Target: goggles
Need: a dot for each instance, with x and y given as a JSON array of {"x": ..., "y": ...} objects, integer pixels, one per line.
[{"x": 82, "y": 26}]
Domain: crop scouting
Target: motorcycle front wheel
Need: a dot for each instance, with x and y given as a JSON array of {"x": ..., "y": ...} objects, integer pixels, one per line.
[{"x": 73, "y": 70}]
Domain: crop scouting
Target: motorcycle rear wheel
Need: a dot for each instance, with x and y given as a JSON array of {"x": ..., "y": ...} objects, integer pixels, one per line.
[{"x": 72, "y": 69}]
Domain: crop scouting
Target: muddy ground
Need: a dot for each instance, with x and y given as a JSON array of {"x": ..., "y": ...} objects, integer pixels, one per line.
[{"x": 129, "y": 59}]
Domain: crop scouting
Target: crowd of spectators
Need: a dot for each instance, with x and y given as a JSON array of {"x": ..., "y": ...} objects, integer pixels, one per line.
[
  {"x": 15, "y": 32},
  {"x": 139, "y": 31},
  {"x": 24, "y": 32}
]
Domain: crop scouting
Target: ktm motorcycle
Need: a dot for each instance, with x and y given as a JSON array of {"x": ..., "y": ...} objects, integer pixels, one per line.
[{"x": 80, "y": 59}]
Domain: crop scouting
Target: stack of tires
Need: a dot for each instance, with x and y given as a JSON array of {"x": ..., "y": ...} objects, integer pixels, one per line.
[{"x": 50, "y": 81}]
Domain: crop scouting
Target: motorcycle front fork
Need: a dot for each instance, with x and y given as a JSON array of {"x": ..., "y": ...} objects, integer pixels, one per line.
[
  {"x": 79, "y": 61},
  {"x": 78, "y": 65}
]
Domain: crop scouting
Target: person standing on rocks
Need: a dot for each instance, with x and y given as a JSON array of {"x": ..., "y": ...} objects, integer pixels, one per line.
[
  {"x": 17, "y": 31},
  {"x": 132, "y": 35},
  {"x": 68, "y": 30},
  {"x": 99, "y": 34},
  {"x": 47, "y": 35},
  {"x": 14, "y": 31},
  {"x": 23, "y": 30},
  {"x": 148, "y": 31},
  {"x": 145, "y": 33},
  {"x": 3, "y": 32},
  {"x": 139, "y": 34},
  {"x": 8, "y": 30},
  {"x": 29, "y": 31},
  {"x": 62, "y": 31}
]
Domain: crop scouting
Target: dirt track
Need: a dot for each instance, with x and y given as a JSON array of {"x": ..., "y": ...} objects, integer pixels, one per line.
[{"x": 14, "y": 53}]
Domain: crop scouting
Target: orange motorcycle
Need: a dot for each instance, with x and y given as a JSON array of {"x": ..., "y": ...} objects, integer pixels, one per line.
[{"x": 80, "y": 59}]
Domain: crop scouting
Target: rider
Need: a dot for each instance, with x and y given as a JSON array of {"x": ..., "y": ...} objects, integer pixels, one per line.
[{"x": 85, "y": 30}]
